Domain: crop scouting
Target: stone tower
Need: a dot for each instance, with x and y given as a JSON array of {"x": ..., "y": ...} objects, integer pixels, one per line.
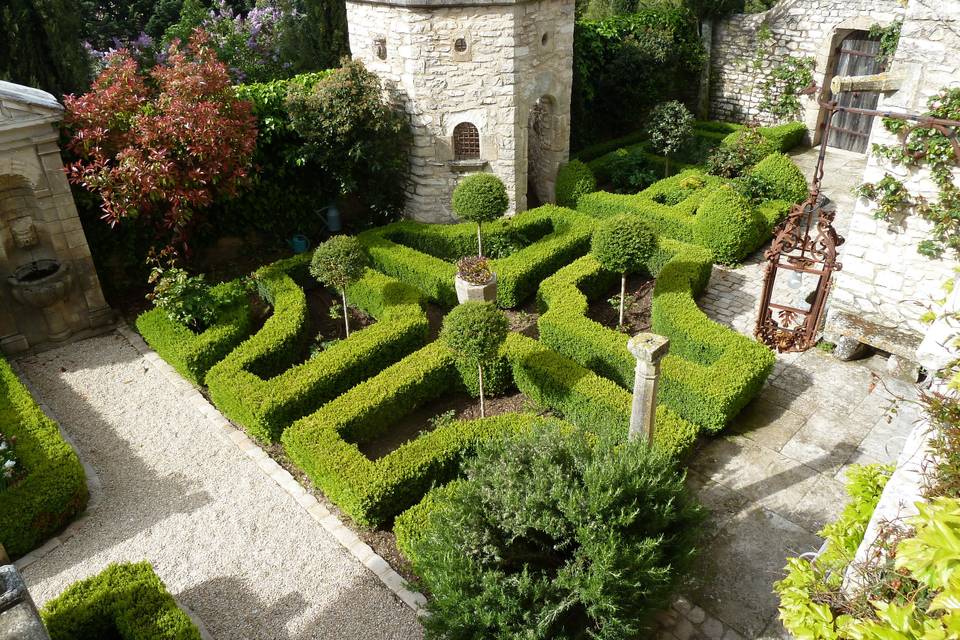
[{"x": 485, "y": 84}]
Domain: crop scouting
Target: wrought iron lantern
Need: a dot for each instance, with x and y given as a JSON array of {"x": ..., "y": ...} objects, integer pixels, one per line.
[{"x": 803, "y": 256}]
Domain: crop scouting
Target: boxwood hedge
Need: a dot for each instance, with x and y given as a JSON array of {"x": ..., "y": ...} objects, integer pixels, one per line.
[
  {"x": 325, "y": 443},
  {"x": 526, "y": 248},
  {"x": 192, "y": 354},
  {"x": 125, "y": 601},
  {"x": 265, "y": 399},
  {"x": 54, "y": 489},
  {"x": 711, "y": 371}
]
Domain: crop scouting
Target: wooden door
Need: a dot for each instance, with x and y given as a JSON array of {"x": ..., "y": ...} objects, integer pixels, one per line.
[{"x": 856, "y": 56}]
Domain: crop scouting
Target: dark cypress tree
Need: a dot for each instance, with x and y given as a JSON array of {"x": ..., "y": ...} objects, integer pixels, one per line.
[
  {"x": 321, "y": 39},
  {"x": 40, "y": 45}
]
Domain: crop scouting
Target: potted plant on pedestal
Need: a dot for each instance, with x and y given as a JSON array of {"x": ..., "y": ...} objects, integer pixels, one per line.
[{"x": 479, "y": 198}]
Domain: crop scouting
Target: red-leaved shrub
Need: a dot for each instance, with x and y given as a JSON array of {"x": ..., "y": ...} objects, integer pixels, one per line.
[{"x": 159, "y": 146}]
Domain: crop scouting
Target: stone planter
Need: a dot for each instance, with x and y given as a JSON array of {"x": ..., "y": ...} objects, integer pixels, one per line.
[{"x": 467, "y": 291}]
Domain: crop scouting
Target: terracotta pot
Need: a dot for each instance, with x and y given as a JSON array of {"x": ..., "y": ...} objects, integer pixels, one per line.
[{"x": 467, "y": 291}]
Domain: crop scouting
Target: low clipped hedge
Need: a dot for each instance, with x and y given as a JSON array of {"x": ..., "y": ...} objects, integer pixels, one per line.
[
  {"x": 266, "y": 405},
  {"x": 785, "y": 136},
  {"x": 711, "y": 372},
  {"x": 125, "y": 601},
  {"x": 54, "y": 489},
  {"x": 325, "y": 443},
  {"x": 190, "y": 353},
  {"x": 698, "y": 208},
  {"x": 533, "y": 244}
]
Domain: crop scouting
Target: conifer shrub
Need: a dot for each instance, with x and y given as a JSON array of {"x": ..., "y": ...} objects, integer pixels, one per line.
[{"x": 555, "y": 534}]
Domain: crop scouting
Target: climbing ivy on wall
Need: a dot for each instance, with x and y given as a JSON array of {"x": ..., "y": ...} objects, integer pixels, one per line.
[
  {"x": 922, "y": 147},
  {"x": 889, "y": 41},
  {"x": 781, "y": 90}
]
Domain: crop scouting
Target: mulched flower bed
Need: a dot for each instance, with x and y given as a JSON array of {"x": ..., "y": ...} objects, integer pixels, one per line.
[{"x": 636, "y": 315}]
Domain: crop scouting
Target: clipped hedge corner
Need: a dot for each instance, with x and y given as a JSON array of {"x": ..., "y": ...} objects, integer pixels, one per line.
[
  {"x": 784, "y": 177},
  {"x": 574, "y": 179},
  {"x": 727, "y": 225},
  {"x": 55, "y": 487},
  {"x": 124, "y": 601}
]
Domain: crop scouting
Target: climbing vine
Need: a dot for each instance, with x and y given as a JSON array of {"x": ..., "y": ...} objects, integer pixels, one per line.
[
  {"x": 889, "y": 40},
  {"x": 781, "y": 91},
  {"x": 930, "y": 148}
]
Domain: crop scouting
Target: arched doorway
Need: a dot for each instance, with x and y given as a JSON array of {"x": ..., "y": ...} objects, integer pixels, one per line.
[
  {"x": 856, "y": 54},
  {"x": 541, "y": 164}
]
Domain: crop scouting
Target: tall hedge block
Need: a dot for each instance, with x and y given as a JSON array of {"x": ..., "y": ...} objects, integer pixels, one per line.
[
  {"x": 574, "y": 179},
  {"x": 784, "y": 177},
  {"x": 727, "y": 225},
  {"x": 55, "y": 487}
]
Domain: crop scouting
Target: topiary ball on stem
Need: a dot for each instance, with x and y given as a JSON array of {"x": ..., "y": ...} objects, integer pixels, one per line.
[
  {"x": 553, "y": 535},
  {"x": 669, "y": 126},
  {"x": 475, "y": 331},
  {"x": 338, "y": 263},
  {"x": 623, "y": 244},
  {"x": 481, "y": 197}
]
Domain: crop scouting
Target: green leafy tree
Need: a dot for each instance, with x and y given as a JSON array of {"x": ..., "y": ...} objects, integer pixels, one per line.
[
  {"x": 349, "y": 128},
  {"x": 338, "y": 263},
  {"x": 40, "y": 46},
  {"x": 319, "y": 41},
  {"x": 556, "y": 536},
  {"x": 623, "y": 244},
  {"x": 475, "y": 331},
  {"x": 669, "y": 126},
  {"x": 481, "y": 197}
]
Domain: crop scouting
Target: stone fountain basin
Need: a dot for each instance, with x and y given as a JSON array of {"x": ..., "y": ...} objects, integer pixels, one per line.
[{"x": 41, "y": 283}]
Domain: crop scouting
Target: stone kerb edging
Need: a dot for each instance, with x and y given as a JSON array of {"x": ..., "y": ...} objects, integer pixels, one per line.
[
  {"x": 331, "y": 523},
  {"x": 94, "y": 486}
]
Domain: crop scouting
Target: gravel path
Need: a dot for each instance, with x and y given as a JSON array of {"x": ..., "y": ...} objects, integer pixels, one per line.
[{"x": 229, "y": 543}]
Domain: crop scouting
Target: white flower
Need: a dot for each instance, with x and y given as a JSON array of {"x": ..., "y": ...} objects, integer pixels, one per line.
[{"x": 9, "y": 464}]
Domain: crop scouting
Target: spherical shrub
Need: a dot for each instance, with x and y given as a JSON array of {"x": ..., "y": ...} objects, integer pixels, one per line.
[
  {"x": 574, "y": 179},
  {"x": 728, "y": 225},
  {"x": 623, "y": 243},
  {"x": 783, "y": 177},
  {"x": 339, "y": 261},
  {"x": 480, "y": 197},
  {"x": 669, "y": 125},
  {"x": 475, "y": 331},
  {"x": 555, "y": 536}
]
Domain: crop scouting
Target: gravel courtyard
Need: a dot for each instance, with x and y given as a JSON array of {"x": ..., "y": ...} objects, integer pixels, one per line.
[{"x": 230, "y": 544}]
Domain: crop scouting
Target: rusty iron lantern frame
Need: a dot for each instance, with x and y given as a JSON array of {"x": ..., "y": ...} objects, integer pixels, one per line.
[{"x": 806, "y": 243}]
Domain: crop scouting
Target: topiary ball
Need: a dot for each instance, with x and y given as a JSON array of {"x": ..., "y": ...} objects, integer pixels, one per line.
[
  {"x": 339, "y": 261},
  {"x": 557, "y": 533},
  {"x": 574, "y": 179},
  {"x": 783, "y": 178},
  {"x": 728, "y": 225},
  {"x": 623, "y": 243},
  {"x": 475, "y": 331},
  {"x": 481, "y": 197}
]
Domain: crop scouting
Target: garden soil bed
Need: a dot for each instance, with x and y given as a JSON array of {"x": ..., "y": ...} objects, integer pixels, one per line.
[
  {"x": 319, "y": 303},
  {"x": 636, "y": 314},
  {"x": 522, "y": 320}
]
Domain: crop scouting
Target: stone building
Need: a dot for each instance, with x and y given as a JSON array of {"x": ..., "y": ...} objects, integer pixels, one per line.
[
  {"x": 486, "y": 85},
  {"x": 742, "y": 59},
  {"x": 49, "y": 289},
  {"x": 886, "y": 285}
]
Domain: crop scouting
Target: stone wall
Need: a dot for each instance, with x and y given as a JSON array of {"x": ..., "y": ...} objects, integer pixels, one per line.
[
  {"x": 799, "y": 28},
  {"x": 885, "y": 284},
  {"x": 517, "y": 54}
]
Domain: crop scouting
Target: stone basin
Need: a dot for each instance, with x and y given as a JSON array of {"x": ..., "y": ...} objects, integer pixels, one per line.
[{"x": 41, "y": 283}]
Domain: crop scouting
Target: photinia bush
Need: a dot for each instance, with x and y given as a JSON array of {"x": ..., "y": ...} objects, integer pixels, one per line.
[{"x": 161, "y": 146}]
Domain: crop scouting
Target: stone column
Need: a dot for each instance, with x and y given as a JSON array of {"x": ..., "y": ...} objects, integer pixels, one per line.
[
  {"x": 648, "y": 349},
  {"x": 19, "y": 619}
]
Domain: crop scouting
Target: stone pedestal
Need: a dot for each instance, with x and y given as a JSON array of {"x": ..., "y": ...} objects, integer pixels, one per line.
[
  {"x": 648, "y": 349},
  {"x": 19, "y": 619}
]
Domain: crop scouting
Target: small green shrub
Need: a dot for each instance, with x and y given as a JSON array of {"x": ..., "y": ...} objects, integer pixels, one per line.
[
  {"x": 185, "y": 298},
  {"x": 481, "y": 197},
  {"x": 338, "y": 263},
  {"x": 623, "y": 244},
  {"x": 783, "y": 178},
  {"x": 54, "y": 488},
  {"x": 475, "y": 331},
  {"x": 728, "y": 225},
  {"x": 740, "y": 151},
  {"x": 574, "y": 179},
  {"x": 669, "y": 126},
  {"x": 785, "y": 137},
  {"x": 630, "y": 171},
  {"x": 125, "y": 601},
  {"x": 537, "y": 541}
]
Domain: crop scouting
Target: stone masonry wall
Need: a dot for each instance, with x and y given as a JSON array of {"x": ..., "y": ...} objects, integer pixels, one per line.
[
  {"x": 885, "y": 283},
  {"x": 800, "y": 28},
  {"x": 516, "y": 53}
]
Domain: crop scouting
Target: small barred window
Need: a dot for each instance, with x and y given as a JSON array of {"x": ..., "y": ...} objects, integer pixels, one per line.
[{"x": 466, "y": 142}]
